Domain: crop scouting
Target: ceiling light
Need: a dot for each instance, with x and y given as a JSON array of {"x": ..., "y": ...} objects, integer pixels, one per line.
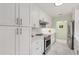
[{"x": 58, "y": 3}]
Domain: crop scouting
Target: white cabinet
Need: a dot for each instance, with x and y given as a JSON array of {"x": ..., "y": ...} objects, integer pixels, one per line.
[
  {"x": 14, "y": 40},
  {"x": 49, "y": 22},
  {"x": 14, "y": 14},
  {"x": 37, "y": 46},
  {"x": 24, "y": 14},
  {"x": 23, "y": 41},
  {"x": 7, "y": 14},
  {"x": 43, "y": 16},
  {"x": 53, "y": 38},
  {"x": 7, "y": 40},
  {"x": 34, "y": 15}
]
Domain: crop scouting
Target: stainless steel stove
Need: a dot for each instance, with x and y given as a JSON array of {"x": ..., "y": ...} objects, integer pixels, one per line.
[{"x": 47, "y": 43}]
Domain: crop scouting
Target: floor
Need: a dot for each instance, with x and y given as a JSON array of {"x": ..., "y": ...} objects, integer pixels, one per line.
[{"x": 60, "y": 48}]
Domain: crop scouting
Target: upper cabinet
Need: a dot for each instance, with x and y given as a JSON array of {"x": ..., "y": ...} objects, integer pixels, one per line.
[
  {"x": 21, "y": 14},
  {"x": 7, "y": 14},
  {"x": 42, "y": 15},
  {"x": 34, "y": 15},
  {"x": 14, "y": 14},
  {"x": 49, "y": 20},
  {"x": 45, "y": 17},
  {"x": 24, "y": 14}
]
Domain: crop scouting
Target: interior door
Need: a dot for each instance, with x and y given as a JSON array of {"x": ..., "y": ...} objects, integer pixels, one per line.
[
  {"x": 7, "y": 14},
  {"x": 7, "y": 40},
  {"x": 24, "y": 40},
  {"x": 24, "y": 14}
]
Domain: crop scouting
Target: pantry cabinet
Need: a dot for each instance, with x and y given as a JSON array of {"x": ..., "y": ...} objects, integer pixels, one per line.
[
  {"x": 7, "y": 40},
  {"x": 7, "y": 14},
  {"x": 24, "y": 41},
  {"x": 24, "y": 14},
  {"x": 14, "y": 40},
  {"x": 14, "y": 14}
]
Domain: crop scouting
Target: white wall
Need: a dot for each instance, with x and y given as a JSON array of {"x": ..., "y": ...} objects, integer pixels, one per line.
[
  {"x": 60, "y": 18},
  {"x": 61, "y": 33},
  {"x": 67, "y": 18}
]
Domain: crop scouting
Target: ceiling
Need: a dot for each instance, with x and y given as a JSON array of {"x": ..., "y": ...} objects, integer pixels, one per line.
[{"x": 54, "y": 11}]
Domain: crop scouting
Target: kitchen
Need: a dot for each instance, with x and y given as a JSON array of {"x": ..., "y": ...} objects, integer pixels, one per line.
[{"x": 36, "y": 28}]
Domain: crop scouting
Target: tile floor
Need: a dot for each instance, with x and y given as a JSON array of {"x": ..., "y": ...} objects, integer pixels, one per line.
[{"x": 60, "y": 48}]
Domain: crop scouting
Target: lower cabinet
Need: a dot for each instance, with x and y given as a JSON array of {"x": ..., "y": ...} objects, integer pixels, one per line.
[
  {"x": 23, "y": 41},
  {"x": 53, "y": 38},
  {"x": 37, "y": 46},
  {"x": 14, "y": 40},
  {"x": 7, "y": 40}
]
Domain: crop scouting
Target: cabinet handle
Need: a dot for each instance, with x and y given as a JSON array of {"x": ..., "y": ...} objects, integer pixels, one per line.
[
  {"x": 17, "y": 31},
  {"x": 20, "y": 21},
  {"x": 21, "y": 31},
  {"x": 17, "y": 20}
]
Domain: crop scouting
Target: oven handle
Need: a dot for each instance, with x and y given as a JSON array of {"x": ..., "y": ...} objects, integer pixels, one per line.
[{"x": 38, "y": 34}]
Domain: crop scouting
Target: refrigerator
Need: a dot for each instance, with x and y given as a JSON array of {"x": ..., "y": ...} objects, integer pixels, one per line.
[{"x": 70, "y": 36}]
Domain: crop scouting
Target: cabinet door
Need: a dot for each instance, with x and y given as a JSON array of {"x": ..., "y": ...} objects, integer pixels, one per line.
[
  {"x": 48, "y": 19},
  {"x": 42, "y": 15},
  {"x": 34, "y": 15},
  {"x": 7, "y": 40},
  {"x": 37, "y": 46},
  {"x": 7, "y": 14},
  {"x": 24, "y": 14},
  {"x": 24, "y": 40}
]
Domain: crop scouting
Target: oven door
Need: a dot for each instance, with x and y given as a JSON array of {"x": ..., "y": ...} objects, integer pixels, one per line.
[{"x": 47, "y": 42}]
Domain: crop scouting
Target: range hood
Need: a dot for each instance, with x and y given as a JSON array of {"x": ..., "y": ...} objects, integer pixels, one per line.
[{"x": 41, "y": 22}]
